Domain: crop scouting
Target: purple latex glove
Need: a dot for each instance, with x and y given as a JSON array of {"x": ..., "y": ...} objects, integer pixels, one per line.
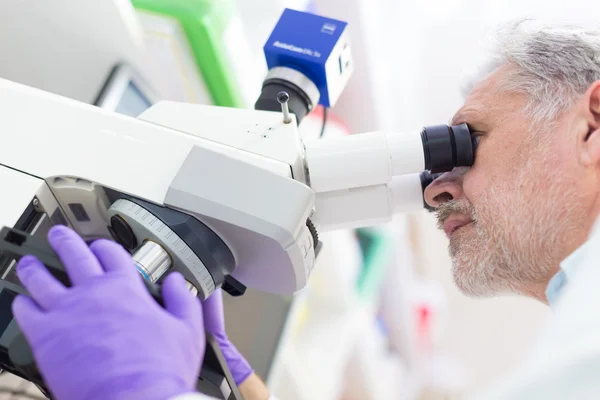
[
  {"x": 106, "y": 337},
  {"x": 214, "y": 322}
]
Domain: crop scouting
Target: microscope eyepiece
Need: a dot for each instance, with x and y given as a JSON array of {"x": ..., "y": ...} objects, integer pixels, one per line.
[{"x": 447, "y": 147}]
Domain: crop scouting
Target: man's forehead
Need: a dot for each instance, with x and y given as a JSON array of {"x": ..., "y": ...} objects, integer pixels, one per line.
[{"x": 480, "y": 99}]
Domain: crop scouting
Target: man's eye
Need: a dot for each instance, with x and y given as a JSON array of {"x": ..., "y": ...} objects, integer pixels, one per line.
[{"x": 475, "y": 139}]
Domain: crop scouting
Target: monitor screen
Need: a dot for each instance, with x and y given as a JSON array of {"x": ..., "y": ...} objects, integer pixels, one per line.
[
  {"x": 126, "y": 92},
  {"x": 133, "y": 102}
]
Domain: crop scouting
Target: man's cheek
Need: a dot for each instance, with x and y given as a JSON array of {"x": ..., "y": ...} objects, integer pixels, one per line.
[{"x": 474, "y": 186}]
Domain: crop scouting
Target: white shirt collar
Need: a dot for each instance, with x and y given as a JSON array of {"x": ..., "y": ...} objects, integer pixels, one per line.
[{"x": 570, "y": 265}]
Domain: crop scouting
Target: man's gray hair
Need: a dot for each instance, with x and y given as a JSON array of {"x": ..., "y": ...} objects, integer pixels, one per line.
[{"x": 555, "y": 64}]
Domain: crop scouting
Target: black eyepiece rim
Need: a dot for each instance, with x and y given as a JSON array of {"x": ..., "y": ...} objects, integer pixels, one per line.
[
  {"x": 465, "y": 156},
  {"x": 447, "y": 147},
  {"x": 426, "y": 152},
  {"x": 438, "y": 143}
]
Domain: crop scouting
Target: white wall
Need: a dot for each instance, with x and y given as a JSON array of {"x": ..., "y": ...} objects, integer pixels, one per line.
[{"x": 438, "y": 41}]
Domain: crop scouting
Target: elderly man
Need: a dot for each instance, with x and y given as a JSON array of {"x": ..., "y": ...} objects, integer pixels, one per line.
[
  {"x": 534, "y": 192},
  {"x": 524, "y": 218},
  {"x": 520, "y": 220}
]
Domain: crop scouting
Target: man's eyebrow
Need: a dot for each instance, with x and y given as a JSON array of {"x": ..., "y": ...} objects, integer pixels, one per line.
[
  {"x": 457, "y": 117},
  {"x": 469, "y": 115}
]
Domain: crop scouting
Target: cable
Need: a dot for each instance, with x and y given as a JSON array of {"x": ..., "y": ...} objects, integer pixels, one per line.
[{"x": 324, "y": 122}]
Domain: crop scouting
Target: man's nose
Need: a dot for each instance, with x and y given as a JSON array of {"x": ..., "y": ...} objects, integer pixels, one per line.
[{"x": 445, "y": 188}]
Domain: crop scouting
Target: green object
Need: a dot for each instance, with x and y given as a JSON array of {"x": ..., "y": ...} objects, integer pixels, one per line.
[
  {"x": 377, "y": 248},
  {"x": 205, "y": 23}
]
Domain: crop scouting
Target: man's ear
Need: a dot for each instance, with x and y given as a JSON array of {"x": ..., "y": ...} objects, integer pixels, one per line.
[{"x": 590, "y": 135}]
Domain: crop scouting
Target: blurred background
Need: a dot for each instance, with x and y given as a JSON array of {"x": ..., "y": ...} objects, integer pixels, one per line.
[{"x": 381, "y": 317}]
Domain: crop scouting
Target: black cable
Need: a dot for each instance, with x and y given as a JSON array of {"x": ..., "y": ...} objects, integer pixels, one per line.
[{"x": 324, "y": 122}]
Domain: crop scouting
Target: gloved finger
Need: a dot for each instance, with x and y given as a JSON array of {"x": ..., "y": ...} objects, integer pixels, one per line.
[
  {"x": 45, "y": 289},
  {"x": 212, "y": 310},
  {"x": 113, "y": 257},
  {"x": 27, "y": 314},
  {"x": 179, "y": 301},
  {"x": 79, "y": 261}
]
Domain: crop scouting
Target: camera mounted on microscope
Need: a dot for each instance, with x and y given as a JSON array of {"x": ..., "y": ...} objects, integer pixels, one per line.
[{"x": 312, "y": 64}]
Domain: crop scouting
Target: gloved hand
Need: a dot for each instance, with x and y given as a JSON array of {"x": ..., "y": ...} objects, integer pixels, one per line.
[
  {"x": 106, "y": 338},
  {"x": 214, "y": 322}
]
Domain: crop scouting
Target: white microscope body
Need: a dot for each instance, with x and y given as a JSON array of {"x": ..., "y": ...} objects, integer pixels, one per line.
[{"x": 244, "y": 174}]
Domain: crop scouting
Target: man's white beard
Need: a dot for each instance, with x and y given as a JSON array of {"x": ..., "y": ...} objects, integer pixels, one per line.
[{"x": 516, "y": 236}]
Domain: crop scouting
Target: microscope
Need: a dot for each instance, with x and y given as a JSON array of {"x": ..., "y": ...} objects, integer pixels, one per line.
[{"x": 230, "y": 198}]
